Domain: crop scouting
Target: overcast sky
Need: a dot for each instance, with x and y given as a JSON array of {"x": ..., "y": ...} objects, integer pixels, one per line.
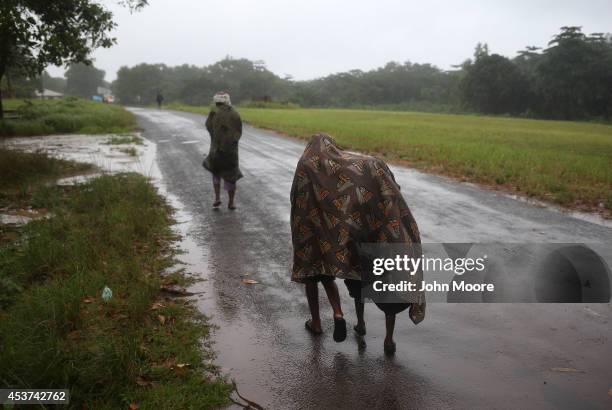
[{"x": 312, "y": 38}]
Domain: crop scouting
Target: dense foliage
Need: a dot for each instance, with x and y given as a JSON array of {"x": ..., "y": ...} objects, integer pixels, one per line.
[
  {"x": 83, "y": 80},
  {"x": 571, "y": 79},
  {"x": 35, "y": 34}
]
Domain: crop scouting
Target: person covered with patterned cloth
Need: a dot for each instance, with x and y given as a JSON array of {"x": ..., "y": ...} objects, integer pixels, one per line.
[
  {"x": 225, "y": 128},
  {"x": 340, "y": 200}
]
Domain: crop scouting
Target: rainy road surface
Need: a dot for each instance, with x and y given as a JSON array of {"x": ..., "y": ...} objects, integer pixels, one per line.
[{"x": 461, "y": 356}]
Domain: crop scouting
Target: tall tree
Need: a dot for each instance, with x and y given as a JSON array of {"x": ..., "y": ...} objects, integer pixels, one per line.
[
  {"x": 35, "y": 34},
  {"x": 57, "y": 84},
  {"x": 575, "y": 75},
  {"x": 83, "y": 80},
  {"x": 494, "y": 85},
  {"x": 139, "y": 84}
]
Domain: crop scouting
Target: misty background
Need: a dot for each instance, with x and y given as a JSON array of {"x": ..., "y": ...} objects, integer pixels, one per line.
[
  {"x": 545, "y": 59},
  {"x": 315, "y": 38}
]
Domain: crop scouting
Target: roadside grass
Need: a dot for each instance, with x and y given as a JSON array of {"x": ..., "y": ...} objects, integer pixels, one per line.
[
  {"x": 21, "y": 171},
  {"x": 568, "y": 163},
  {"x": 269, "y": 104},
  {"x": 65, "y": 116},
  {"x": 55, "y": 329}
]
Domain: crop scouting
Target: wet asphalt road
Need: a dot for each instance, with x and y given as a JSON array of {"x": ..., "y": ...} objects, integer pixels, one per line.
[{"x": 461, "y": 356}]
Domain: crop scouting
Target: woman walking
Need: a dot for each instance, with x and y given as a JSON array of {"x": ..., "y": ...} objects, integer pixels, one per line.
[
  {"x": 340, "y": 200},
  {"x": 225, "y": 128}
]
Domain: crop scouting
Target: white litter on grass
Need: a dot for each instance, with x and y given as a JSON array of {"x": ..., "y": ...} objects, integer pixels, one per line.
[{"x": 191, "y": 142}]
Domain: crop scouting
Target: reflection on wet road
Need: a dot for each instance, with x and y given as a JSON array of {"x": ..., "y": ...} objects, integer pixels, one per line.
[{"x": 467, "y": 356}]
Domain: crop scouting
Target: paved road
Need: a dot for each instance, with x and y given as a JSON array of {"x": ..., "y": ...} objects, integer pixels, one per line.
[{"x": 466, "y": 356}]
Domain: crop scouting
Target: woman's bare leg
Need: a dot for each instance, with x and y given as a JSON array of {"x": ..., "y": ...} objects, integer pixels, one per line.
[
  {"x": 390, "y": 324},
  {"x": 231, "y": 195},
  {"x": 389, "y": 344},
  {"x": 334, "y": 297},
  {"x": 359, "y": 309},
  {"x": 217, "y": 188},
  {"x": 334, "y": 300},
  {"x": 312, "y": 295}
]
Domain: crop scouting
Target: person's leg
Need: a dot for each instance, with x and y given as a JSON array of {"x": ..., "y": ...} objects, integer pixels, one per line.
[
  {"x": 312, "y": 295},
  {"x": 389, "y": 344},
  {"x": 360, "y": 327},
  {"x": 334, "y": 300},
  {"x": 354, "y": 288},
  {"x": 333, "y": 296},
  {"x": 217, "y": 187},
  {"x": 230, "y": 187}
]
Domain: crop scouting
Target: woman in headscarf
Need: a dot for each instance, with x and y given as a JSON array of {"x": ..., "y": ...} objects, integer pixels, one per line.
[
  {"x": 340, "y": 200},
  {"x": 225, "y": 128}
]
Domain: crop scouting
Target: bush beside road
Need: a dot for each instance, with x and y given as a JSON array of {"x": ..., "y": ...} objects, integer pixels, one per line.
[{"x": 66, "y": 116}]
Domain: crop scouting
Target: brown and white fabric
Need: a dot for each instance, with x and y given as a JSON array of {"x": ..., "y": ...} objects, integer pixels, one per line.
[{"x": 338, "y": 200}]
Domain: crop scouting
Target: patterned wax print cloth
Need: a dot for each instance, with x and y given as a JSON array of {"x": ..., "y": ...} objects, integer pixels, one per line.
[{"x": 339, "y": 200}]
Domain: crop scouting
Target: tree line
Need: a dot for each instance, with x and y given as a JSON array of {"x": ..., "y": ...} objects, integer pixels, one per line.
[{"x": 571, "y": 78}]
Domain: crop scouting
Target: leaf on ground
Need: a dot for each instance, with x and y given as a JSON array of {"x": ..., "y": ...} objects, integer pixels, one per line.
[
  {"x": 89, "y": 299},
  {"x": 143, "y": 381},
  {"x": 157, "y": 305},
  {"x": 566, "y": 370},
  {"x": 162, "y": 319},
  {"x": 74, "y": 335},
  {"x": 249, "y": 281},
  {"x": 119, "y": 316},
  {"x": 182, "y": 365},
  {"x": 175, "y": 290},
  {"x": 133, "y": 406}
]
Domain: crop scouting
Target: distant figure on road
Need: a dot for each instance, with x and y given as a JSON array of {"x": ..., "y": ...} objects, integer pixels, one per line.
[
  {"x": 225, "y": 129},
  {"x": 159, "y": 99},
  {"x": 340, "y": 200}
]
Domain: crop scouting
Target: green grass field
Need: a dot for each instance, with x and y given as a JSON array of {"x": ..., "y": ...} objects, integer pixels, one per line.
[
  {"x": 66, "y": 116},
  {"x": 569, "y": 163}
]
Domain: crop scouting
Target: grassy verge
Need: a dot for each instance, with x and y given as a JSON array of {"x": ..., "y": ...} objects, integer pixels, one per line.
[
  {"x": 56, "y": 331},
  {"x": 65, "y": 116},
  {"x": 21, "y": 170},
  {"x": 568, "y": 163}
]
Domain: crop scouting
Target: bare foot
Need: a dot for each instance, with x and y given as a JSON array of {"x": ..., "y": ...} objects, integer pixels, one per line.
[{"x": 314, "y": 328}]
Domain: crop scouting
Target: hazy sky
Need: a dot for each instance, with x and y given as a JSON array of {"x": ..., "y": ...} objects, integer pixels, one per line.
[{"x": 313, "y": 38}]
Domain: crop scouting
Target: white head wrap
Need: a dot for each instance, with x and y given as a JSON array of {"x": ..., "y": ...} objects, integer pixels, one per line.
[{"x": 222, "y": 97}]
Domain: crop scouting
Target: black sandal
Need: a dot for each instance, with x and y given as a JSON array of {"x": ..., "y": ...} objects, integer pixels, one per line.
[
  {"x": 309, "y": 327},
  {"x": 217, "y": 204},
  {"x": 361, "y": 331},
  {"x": 339, "y": 329}
]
